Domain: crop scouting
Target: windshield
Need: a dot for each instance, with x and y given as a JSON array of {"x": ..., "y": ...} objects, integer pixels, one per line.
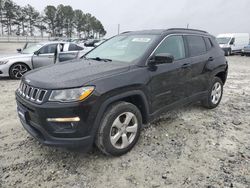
[
  {"x": 223, "y": 40},
  {"x": 31, "y": 49},
  {"x": 123, "y": 48}
]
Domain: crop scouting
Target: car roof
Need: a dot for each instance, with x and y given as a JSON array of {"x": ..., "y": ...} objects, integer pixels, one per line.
[
  {"x": 167, "y": 31},
  {"x": 51, "y": 42},
  {"x": 56, "y": 42}
]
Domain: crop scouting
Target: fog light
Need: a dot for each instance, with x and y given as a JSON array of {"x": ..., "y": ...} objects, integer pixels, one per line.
[{"x": 61, "y": 120}]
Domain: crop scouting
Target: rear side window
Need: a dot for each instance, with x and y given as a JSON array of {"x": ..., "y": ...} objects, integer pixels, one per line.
[
  {"x": 173, "y": 45},
  {"x": 196, "y": 45},
  {"x": 209, "y": 44}
]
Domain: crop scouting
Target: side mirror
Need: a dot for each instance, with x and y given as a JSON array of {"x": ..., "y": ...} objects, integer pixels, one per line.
[
  {"x": 19, "y": 50},
  {"x": 161, "y": 58},
  {"x": 37, "y": 52}
]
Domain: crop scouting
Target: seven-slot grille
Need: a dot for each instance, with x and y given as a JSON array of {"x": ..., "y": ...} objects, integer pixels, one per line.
[{"x": 31, "y": 93}]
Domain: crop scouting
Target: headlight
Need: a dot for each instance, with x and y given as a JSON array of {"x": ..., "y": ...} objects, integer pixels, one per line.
[
  {"x": 70, "y": 95},
  {"x": 3, "y": 62}
]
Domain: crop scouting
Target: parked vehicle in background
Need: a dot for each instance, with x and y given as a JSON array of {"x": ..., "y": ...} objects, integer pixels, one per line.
[
  {"x": 126, "y": 82},
  {"x": 233, "y": 43},
  {"x": 34, "y": 56},
  {"x": 100, "y": 42},
  {"x": 246, "y": 51},
  {"x": 91, "y": 42}
]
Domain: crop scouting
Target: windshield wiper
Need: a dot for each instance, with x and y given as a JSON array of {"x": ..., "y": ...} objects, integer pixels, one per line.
[{"x": 101, "y": 59}]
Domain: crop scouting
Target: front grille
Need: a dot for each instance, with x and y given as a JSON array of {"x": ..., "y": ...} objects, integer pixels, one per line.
[{"x": 30, "y": 93}]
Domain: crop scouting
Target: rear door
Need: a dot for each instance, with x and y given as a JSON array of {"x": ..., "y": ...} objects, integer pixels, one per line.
[
  {"x": 198, "y": 58},
  {"x": 45, "y": 56},
  {"x": 167, "y": 83}
]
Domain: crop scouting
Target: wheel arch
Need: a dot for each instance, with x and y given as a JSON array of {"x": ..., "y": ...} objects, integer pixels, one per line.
[
  {"x": 19, "y": 62},
  {"x": 136, "y": 97}
]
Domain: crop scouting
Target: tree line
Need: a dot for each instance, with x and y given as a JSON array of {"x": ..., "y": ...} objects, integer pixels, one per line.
[{"x": 56, "y": 21}]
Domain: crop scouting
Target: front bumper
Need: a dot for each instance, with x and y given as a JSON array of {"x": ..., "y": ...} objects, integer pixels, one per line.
[
  {"x": 34, "y": 119},
  {"x": 43, "y": 137},
  {"x": 4, "y": 70},
  {"x": 226, "y": 49}
]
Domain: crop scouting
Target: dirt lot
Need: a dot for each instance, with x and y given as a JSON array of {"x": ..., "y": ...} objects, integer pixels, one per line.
[{"x": 189, "y": 147}]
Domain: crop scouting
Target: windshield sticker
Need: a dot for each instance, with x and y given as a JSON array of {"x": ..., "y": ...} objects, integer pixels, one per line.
[{"x": 141, "y": 39}]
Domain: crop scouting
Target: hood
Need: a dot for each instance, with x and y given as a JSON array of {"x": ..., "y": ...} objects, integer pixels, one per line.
[
  {"x": 14, "y": 56},
  {"x": 72, "y": 73}
]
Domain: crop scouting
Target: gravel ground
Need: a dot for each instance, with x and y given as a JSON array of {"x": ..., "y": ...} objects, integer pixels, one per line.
[{"x": 188, "y": 147}]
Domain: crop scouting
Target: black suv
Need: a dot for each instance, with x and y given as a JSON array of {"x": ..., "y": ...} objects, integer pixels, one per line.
[{"x": 106, "y": 97}]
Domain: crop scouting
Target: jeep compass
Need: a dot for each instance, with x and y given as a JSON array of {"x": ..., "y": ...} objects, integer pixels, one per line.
[{"x": 106, "y": 96}]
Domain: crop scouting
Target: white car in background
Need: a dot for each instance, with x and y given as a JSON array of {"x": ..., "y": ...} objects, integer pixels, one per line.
[
  {"x": 233, "y": 42},
  {"x": 36, "y": 56}
]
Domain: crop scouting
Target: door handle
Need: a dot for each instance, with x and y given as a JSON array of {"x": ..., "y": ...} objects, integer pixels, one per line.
[
  {"x": 185, "y": 65},
  {"x": 210, "y": 59}
]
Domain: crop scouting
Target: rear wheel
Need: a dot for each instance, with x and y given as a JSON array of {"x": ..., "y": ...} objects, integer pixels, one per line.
[
  {"x": 120, "y": 129},
  {"x": 214, "y": 95},
  {"x": 18, "y": 70}
]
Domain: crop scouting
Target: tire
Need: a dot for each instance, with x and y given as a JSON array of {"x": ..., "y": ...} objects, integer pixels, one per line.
[
  {"x": 214, "y": 95},
  {"x": 242, "y": 54},
  {"x": 113, "y": 137},
  {"x": 17, "y": 70},
  {"x": 228, "y": 52}
]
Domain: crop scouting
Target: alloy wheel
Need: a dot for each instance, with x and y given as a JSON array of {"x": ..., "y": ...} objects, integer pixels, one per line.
[
  {"x": 123, "y": 130},
  {"x": 216, "y": 93},
  {"x": 19, "y": 70}
]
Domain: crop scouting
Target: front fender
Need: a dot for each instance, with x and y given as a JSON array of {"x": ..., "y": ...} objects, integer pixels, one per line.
[{"x": 115, "y": 98}]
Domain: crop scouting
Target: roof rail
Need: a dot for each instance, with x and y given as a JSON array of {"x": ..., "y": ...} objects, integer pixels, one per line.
[
  {"x": 186, "y": 29},
  {"x": 125, "y": 32}
]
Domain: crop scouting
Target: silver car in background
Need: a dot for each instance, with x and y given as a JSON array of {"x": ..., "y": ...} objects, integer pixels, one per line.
[{"x": 36, "y": 56}]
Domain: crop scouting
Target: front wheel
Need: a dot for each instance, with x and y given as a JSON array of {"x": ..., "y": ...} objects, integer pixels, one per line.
[
  {"x": 228, "y": 52},
  {"x": 18, "y": 70},
  {"x": 214, "y": 95},
  {"x": 120, "y": 129}
]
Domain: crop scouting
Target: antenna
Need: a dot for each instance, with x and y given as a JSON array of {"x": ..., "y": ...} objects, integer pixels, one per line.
[{"x": 118, "y": 29}]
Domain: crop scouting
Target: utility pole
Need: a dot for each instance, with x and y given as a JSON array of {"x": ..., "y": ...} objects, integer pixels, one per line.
[
  {"x": 118, "y": 29},
  {"x": 1, "y": 16},
  {"x": 188, "y": 26}
]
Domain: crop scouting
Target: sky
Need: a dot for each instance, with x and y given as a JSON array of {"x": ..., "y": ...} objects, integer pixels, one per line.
[{"x": 214, "y": 16}]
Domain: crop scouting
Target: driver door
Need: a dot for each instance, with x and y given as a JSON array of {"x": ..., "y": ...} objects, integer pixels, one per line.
[
  {"x": 45, "y": 56},
  {"x": 168, "y": 81}
]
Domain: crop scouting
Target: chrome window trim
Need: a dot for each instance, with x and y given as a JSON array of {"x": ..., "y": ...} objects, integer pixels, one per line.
[{"x": 181, "y": 34}]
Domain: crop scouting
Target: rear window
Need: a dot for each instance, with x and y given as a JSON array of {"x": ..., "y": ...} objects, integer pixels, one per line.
[
  {"x": 209, "y": 43},
  {"x": 196, "y": 45}
]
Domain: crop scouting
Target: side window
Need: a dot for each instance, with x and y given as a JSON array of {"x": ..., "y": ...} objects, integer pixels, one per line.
[
  {"x": 73, "y": 47},
  {"x": 208, "y": 43},
  {"x": 173, "y": 45},
  {"x": 48, "y": 49},
  {"x": 232, "y": 41},
  {"x": 196, "y": 45}
]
